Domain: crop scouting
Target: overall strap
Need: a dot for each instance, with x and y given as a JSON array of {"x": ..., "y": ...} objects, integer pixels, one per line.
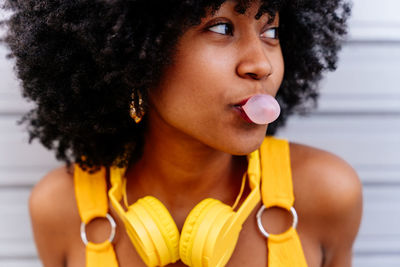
[
  {"x": 277, "y": 191},
  {"x": 276, "y": 186},
  {"x": 92, "y": 201}
]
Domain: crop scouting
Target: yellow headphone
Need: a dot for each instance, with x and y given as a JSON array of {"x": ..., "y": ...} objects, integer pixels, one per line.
[{"x": 209, "y": 234}]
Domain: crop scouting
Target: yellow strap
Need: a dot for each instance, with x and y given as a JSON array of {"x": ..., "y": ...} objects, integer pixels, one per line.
[
  {"x": 92, "y": 201},
  {"x": 277, "y": 190},
  {"x": 285, "y": 250},
  {"x": 90, "y": 193},
  {"x": 100, "y": 255}
]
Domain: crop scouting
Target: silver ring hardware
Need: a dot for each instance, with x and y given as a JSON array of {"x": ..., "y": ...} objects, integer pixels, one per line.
[
  {"x": 112, "y": 234},
  {"x": 261, "y": 227}
]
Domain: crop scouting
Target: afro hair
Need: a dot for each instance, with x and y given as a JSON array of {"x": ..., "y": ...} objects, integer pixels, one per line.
[{"x": 78, "y": 60}]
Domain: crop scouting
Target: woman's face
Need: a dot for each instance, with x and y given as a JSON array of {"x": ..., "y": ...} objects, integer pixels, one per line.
[{"x": 220, "y": 63}]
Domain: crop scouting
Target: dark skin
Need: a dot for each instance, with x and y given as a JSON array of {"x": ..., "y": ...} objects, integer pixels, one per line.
[{"x": 227, "y": 58}]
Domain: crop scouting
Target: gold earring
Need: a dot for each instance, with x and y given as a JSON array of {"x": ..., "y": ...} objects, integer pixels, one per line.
[{"x": 136, "y": 107}]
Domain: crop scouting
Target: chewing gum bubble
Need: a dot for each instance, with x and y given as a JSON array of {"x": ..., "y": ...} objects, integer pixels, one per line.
[{"x": 262, "y": 109}]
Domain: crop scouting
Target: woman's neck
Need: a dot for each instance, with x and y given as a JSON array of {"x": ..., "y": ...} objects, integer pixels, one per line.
[{"x": 181, "y": 171}]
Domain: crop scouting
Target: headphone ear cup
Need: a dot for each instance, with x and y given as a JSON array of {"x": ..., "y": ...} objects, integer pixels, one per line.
[
  {"x": 191, "y": 222},
  {"x": 166, "y": 224},
  {"x": 204, "y": 230},
  {"x": 153, "y": 232}
]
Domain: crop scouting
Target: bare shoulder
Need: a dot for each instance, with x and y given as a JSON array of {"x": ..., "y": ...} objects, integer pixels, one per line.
[
  {"x": 52, "y": 209},
  {"x": 328, "y": 196},
  {"x": 50, "y": 197},
  {"x": 329, "y": 176}
]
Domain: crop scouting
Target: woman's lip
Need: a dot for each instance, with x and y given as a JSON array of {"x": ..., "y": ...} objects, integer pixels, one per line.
[
  {"x": 242, "y": 103},
  {"x": 242, "y": 113}
]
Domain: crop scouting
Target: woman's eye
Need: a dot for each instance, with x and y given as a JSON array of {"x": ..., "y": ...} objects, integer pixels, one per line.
[
  {"x": 222, "y": 28},
  {"x": 271, "y": 33}
]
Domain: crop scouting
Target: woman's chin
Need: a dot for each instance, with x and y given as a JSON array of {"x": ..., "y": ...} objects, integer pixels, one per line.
[{"x": 245, "y": 146}]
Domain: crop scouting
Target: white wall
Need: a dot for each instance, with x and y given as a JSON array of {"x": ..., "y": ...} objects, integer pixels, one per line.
[{"x": 358, "y": 118}]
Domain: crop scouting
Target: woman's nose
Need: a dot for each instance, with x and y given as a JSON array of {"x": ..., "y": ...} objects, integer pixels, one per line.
[{"x": 254, "y": 62}]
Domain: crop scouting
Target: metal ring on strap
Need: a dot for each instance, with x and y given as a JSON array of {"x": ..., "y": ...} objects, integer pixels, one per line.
[
  {"x": 261, "y": 227},
  {"x": 112, "y": 234}
]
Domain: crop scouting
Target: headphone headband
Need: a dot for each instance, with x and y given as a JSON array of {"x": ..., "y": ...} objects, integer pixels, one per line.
[{"x": 210, "y": 231}]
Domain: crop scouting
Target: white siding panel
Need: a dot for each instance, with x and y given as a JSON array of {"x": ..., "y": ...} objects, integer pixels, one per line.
[
  {"x": 379, "y": 234},
  {"x": 367, "y": 12},
  {"x": 375, "y": 20},
  {"x": 15, "y": 236},
  {"x": 366, "y": 81},
  {"x": 364, "y": 141},
  {"x": 20, "y": 263},
  {"x": 21, "y": 163},
  {"x": 10, "y": 99},
  {"x": 369, "y": 69},
  {"x": 22, "y": 176},
  {"x": 376, "y": 261}
]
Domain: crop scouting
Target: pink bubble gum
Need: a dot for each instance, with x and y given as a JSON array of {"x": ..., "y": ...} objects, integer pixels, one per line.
[{"x": 262, "y": 109}]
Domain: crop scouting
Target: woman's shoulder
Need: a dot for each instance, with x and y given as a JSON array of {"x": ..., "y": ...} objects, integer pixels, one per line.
[
  {"x": 52, "y": 194},
  {"x": 53, "y": 213},
  {"x": 324, "y": 175},
  {"x": 328, "y": 197}
]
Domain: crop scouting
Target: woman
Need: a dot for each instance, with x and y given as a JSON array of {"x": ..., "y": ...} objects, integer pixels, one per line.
[{"x": 184, "y": 71}]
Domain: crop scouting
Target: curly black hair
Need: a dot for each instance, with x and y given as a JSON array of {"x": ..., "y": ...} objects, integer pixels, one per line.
[{"x": 79, "y": 60}]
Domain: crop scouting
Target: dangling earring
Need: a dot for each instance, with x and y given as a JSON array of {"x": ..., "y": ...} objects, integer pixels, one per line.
[{"x": 136, "y": 107}]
